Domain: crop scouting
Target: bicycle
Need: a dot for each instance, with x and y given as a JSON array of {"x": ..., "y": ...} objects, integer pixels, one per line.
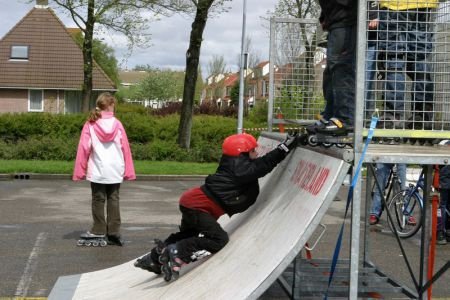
[
  {"x": 394, "y": 184},
  {"x": 392, "y": 187},
  {"x": 406, "y": 209}
]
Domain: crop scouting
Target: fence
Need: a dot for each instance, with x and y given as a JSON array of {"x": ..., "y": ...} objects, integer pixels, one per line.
[{"x": 407, "y": 70}]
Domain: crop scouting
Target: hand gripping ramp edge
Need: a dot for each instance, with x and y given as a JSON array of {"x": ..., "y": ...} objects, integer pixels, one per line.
[{"x": 263, "y": 240}]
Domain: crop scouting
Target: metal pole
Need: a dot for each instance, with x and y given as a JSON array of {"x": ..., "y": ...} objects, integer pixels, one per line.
[
  {"x": 355, "y": 232},
  {"x": 271, "y": 74},
  {"x": 240, "y": 125}
]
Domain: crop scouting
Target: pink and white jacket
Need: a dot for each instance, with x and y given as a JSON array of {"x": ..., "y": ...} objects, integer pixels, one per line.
[{"x": 104, "y": 154}]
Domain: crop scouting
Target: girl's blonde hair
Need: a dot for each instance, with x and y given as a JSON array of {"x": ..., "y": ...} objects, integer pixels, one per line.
[{"x": 104, "y": 100}]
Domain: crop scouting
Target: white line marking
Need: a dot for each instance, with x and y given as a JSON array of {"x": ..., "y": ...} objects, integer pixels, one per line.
[{"x": 25, "y": 281}]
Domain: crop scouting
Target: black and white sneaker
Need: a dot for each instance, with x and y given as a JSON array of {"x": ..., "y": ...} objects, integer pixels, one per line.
[
  {"x": 171, "y": 263},
  {"x": 312, "y": 128},
  {"x": 334, "y": 127},
  {"x": 115, "y": 240},
  {"x": 149, "y": 262}
]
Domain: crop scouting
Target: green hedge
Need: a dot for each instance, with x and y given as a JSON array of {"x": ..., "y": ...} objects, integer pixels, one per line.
[{"x": 41, "y": 136}]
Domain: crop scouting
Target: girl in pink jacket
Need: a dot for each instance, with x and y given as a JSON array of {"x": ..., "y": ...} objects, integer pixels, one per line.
[{"x": 104, "y": 159}]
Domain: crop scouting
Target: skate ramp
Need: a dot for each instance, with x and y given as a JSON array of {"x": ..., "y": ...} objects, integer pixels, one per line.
[{"x": 263, "y": 240}]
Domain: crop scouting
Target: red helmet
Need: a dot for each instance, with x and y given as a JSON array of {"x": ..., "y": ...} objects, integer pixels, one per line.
[{"x": 238, "y": 143}]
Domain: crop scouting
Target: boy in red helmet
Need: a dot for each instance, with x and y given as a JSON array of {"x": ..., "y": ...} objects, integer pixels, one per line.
[{"x": 232, "y": 189}]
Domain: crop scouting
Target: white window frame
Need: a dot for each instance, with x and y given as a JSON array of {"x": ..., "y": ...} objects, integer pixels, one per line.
[
  {"x": 42, "y": 100},
  {"x": 20, "y": 57},
  {"x": 227, "y": 91},
  {"x": 265, "y": 89}
]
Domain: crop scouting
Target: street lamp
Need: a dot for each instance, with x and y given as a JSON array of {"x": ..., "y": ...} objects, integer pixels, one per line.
[{"x": 240, "y": 125}]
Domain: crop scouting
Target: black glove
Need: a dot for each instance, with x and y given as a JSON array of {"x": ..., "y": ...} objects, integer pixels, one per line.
[{"x": 289, "y": 143}]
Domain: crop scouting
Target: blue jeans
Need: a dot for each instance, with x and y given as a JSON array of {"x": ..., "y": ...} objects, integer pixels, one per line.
[
  {"x": 406, "y": 38},
  {"x": 382, "y": 174},
  {"x": 444, "y": 205},
  {"x": 339, "y": 75},
  {"x": 371, "y": 57}
]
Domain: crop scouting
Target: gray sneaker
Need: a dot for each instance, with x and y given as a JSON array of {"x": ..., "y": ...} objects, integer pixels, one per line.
[
  {"x": 441, "y": 240},
  {"x": 90, "y": 235}
]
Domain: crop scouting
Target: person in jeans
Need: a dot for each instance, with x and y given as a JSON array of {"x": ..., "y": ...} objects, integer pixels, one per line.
[
  {"x": 405, "y": 36},
  {"x": 382, "y": 173},
  {"x": 338, "y": 18},
  {"x": 104, "y": 158},
  {"x": 443, "y": 226},
  {"x": 232, "y": 189},
  {"x": 371, "y": 59}
]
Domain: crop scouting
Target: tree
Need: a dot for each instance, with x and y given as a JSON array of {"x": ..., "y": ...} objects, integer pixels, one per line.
[
  {"x": 202, "y": 9},
  {"x": 103, "y": 56},
  {"x": 216, "y": 65},
  {"x": 125, "y": 17},
  {"x": 303, "y": 9},
  {"x": 198, "y": 86},
  {"x": 254, "y": 57},
  {"x": 163, "y": 85},
  {"x": 299, "y": 51},
  {"x": 234, "y": 94}
]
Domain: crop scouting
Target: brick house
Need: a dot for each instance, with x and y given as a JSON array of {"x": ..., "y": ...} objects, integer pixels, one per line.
[
  {"x": 257, "y": 84},
  {"x": 41, "y": 66},
  {"x": 218, "y": 88},
  {"x": 131, "y": 78}
]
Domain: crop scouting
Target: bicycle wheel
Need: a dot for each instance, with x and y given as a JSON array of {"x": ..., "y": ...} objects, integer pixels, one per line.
[{"x": 406, "y": 212}]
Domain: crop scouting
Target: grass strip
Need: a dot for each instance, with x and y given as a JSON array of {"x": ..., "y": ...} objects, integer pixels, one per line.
[{"x": 142, "y": 167}]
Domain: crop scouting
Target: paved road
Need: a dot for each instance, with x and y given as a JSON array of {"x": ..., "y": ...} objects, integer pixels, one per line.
[{"x": 40, "y": 221}]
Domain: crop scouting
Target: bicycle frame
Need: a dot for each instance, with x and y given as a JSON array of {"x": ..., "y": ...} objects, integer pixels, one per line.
[
  {"x": 414, "y": 188},
  {"x": 408, "y": 202}
]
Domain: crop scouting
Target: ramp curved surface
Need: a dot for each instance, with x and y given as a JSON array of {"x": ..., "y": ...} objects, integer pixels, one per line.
[{"x": 263, "y": 240}]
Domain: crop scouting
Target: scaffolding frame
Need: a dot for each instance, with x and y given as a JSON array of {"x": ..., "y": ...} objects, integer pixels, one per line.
[{"x": 377, "y": 153}]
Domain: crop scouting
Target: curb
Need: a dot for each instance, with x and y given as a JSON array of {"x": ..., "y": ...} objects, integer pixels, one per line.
[
  {"x": 35, "y": 176},
  {"x": 169, "y": 177}
]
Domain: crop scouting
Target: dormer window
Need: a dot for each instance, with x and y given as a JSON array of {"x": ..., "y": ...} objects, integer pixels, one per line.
[{"x": 19, "y": 52}]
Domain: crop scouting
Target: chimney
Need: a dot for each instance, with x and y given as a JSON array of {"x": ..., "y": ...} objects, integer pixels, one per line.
[{"x": 41, "y": 4}]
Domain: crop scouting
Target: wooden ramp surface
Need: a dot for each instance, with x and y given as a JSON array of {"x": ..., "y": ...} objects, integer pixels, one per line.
[{"x": 263, "y": 240}]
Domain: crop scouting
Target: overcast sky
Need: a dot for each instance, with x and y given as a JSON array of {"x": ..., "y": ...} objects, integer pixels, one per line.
[{"x": 170, "y": 36}]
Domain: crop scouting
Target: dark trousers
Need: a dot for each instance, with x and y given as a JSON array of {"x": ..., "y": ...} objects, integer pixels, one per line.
[
  {"x": 108, "y": 193},
  {"x": 444, "y": 206},
  {"x": 339, "y": 75},
  {"x": 198, "y": 231}
]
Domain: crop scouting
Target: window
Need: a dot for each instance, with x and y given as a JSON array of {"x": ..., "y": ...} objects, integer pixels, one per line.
[
  {"x": 228, "y": 91},
  {"x": 35, "y": 102},
  {"x": 72, "y": 103},
  {"x": 265, "y": 88},
  {"x": 19, "y": 52}
]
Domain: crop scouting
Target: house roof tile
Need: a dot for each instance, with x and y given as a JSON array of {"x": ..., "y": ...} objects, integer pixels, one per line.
[
  {"x": 262, "y": 64},
  {"x": 230, "y": 79},
  {"x": 55, "y": 60},
  {"x": 132, "y": 77}
]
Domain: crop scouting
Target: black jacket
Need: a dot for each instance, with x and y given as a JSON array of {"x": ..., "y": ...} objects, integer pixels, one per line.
[
  {"x": 235, "y": 186},
  {"x": 444, "y": 177},
  {"x": 338, "y": 13}
]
